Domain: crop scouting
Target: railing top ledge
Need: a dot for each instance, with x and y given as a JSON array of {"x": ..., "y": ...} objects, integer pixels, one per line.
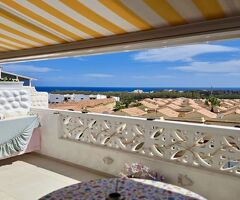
[{"x": 172, "y": 124}]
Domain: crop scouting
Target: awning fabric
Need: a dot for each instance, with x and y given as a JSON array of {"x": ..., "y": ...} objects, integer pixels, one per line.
[{"x": 26, "y": 24}]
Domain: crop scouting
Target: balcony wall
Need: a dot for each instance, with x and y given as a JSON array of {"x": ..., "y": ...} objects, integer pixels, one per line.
[
  {"x": 202, "y": 158},
  {"x": 14, "y": 99},
  {"x": 39, "y": 99}
]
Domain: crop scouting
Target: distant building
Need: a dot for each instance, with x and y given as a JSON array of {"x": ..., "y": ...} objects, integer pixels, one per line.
[
  {"x": 67, "y": 97},
  {"x": 138, "y": 91},
  {"x": 27, "y": 81},
  {"x": 116, "y": 98},
  {"x": 60, "y": 98},
  {"x": 98, "y": 96},
  {"x": 79, "y": 97},
  {"x": 170, "y": 90},
  {"x": 55, "y": 98},
  {"x": 134, "y": 111},
  {"x": 168, "y": 112},
  {"x": 148, "y": 104},
  {"x": 206, "y": 113}
]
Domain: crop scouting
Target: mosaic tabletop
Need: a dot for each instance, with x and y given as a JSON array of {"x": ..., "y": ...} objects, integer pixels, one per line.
[{"x": 130, "y": 189}]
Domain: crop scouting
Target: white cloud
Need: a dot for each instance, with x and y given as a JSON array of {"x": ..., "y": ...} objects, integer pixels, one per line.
[
  {"x": 152, "y": 77},
  {"x": 27, "y": 68},
  {"x": 231, "y": 66},
  {"x": 99, "y": 75},
  {"x": 234, "y": 74},
  {"x": 180, "y": 53}
]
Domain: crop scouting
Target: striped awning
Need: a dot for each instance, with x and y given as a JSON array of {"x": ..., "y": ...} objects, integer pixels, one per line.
[{"x": 30, "y": 24}]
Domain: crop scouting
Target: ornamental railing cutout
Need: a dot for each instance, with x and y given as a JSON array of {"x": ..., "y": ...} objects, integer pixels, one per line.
[{"x": 192, "y": 144}]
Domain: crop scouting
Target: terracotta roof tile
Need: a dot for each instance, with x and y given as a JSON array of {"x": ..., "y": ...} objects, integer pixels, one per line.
[
  {"x": 173, "y": 106},
  {"x": 78, "y": 106},
  {"x": 168, "y": 112},
  {"x": 149, "y": 105},
  {"x": 101, "y": 109},
  {"x": 134, "y": 111},
  {"x": 206, "y": 113}
]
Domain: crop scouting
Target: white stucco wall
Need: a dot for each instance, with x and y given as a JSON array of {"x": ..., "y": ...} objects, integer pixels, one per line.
[
  {"x": 116, "y": 98},
  {"x": 55, "y": 98},
  {"x": 210, "y": 184},
  {"x": 97, "y": 96},
  {"x": 39, "y": 99},
  {"x": 80, "y": 97},
  {"x": 14, "y": 100}
]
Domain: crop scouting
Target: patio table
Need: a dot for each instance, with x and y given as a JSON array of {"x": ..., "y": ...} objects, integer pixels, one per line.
[{"x": 130, "y": 189}]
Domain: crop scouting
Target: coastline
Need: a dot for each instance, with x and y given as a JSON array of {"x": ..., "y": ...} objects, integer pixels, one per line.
[{"x": 130, "y": 89}]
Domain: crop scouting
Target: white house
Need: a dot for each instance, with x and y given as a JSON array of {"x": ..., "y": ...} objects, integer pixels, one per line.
[
  {"x": 138, "y": 91},
  {"x": 75, "y": 97},
  {"x": 98, "y": 96},
  {"x": 67, "y": 97},
  {"x": 55, "y": 98},
  {"x": 59, "y": 98},
  {"x": 80, "y": 97},
  {"x": 116, "y": 98}
]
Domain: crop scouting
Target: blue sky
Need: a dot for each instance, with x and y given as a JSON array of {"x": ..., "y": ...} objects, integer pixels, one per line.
[{"x": 214, "y": 64}]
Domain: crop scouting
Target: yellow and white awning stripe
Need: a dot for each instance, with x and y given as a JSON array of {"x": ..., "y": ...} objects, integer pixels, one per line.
[{"x": 28, "y": 24}]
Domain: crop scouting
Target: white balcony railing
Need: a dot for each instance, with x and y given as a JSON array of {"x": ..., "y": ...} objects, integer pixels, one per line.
[{"x": 207, "y": 146}]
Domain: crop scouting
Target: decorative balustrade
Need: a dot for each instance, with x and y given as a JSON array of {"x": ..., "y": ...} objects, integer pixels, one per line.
[{"x": 207, "y": 146}]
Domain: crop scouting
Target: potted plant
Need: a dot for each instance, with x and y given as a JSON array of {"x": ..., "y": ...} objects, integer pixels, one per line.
[
  {"x": 136, "y": 170},
  {"x": 10, "y": 83}
]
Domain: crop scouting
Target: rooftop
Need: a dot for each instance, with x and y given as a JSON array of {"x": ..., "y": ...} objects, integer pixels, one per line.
[
  {"x": 134, "y": 111},
  {"x": 13, "y": 74},
  {"x": 168, "y": 112},
  {"x": 78, "y": 106},
  {"x": 17, "y": 75}
]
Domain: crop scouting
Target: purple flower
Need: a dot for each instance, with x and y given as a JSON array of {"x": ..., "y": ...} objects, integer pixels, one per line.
[{"x": 136, "y": 170}]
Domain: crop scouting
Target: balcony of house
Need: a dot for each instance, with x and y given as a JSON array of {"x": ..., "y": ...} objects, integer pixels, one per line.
[
  {"x": 47, "y": 149},
  {"x": 43, "y": 150},
  {"x": 79, "y": 146}
]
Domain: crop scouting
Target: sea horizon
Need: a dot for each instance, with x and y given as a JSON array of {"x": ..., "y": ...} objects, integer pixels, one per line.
[{"x": 127, "y": 89}]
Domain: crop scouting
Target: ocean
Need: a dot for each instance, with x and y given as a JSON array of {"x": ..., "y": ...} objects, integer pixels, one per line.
[{"x": 126, "y": 89}]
